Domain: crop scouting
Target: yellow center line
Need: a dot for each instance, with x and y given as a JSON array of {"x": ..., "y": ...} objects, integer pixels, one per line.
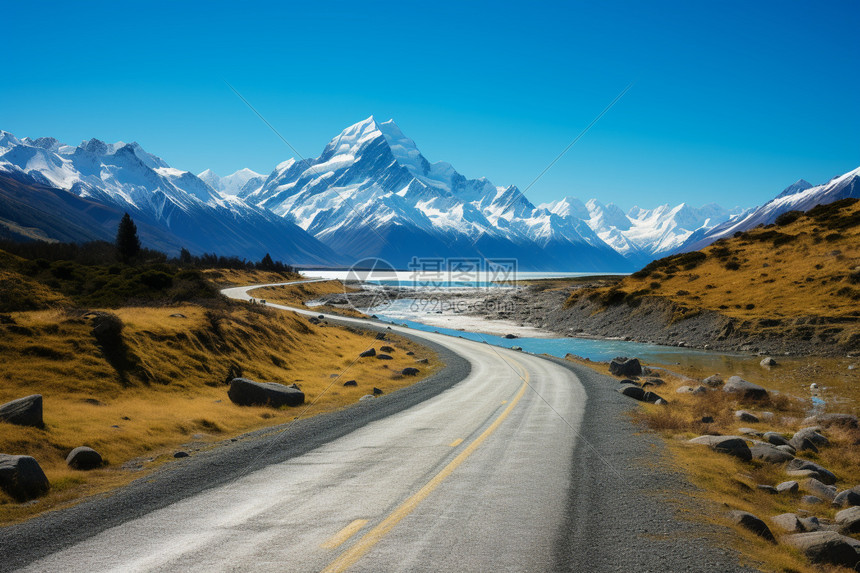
[
  {"x": 338, "y": 538},
  {"x": 348, "y": 558},
  {"x": 504, "y": 401},
  {"x": 456, "y": 442}
]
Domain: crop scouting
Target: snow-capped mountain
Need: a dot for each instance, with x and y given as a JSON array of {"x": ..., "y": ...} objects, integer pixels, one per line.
[
  {"x": 243, "y": 181},
  {"x": 372, "y": 193},
  {"x": 177, "y": 206},
  {"x": 800, "y": 196}
]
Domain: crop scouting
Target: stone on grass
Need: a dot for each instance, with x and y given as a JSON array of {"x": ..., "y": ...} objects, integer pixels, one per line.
[
  {"x": 746, "y": 390},
  {"x": 714, "y": 381},
  {"x": 745, "y": 416},
  {"x": 623, "y": 366},
  {"x": 422, "y": 361},
  {"x": 245, "y": 392},
  {"x": 776, "y": 439},
  {"x": 788, "y": 522},
  {"x": 409, "y": 371},
  {"x": 803, "y": 444},
  {"x": 180, "y": 455},
  {"x": 376, "y": 391},
  {"x": 350, "y": 383},
  {"x": 834, "y": 419},
  {"x": 22, "y": 477},
  {"x": 368, "y": 353},
  {"x": 810, "y": 523},
  {"x": 770, "y": 454},
  {"x": 707, "y": 420},
  {"x": 767, "y": 488},
  {"x": 788, "y": 487},
  {"x": 819, "y": 489},
  {"x": 788, "y": 449},
  {"x": 732, "y": 445},
  {"x": 847, "y": 497},
  {"x": 640, "y": 394},
  {"x": 811, "y": 500},
  {"x": 824, "y": 475},
  {"x": 25, "y": 411},
  {"x": 812, "y": 435},
  {"x": 826, "y": 547},
  {"x": 84, "y": 458},
  {"x": 848, "y": 520},
  {"x": 384, "y": 357},
  {"x": 386, "y": 349},
  {"x": 749, "y": 521}
]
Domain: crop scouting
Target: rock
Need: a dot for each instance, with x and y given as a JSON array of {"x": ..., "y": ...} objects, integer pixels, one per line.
[
  {"x": 810, "y": 523},
  {"x": 245, "y": 392},
  {"x": 825, "y": 547},
  {"x": 745, "y": 416},
  {"x": 410, "y": 353},
  {"x": 732, "y": 445},
  {"x": 368, "y": 353},
  {"x": 749, "y": 521},
  {"x": 510, "y": 336},
  {"x": 749, "y": 432},
  {"x": 422, "y": 361},
  {"x": 787, "y": 449},
  {"x": 775, "y": 439},
  {"x": 350, "y": 383},
  {"x": 768, "y": 362},
  {"x": 747, "y": 390},
  {"x": 409, "y": 371},
  {"x": 803, "y": 444},
  {"x": 812, "y": 435},
  {"x": 849, "y": 520},
  {"x": 767, "y": 488},
  {"x": 376, "y": 391},
  {"x": 788, "y": 522},
  {"x": 180, "y": 455},
  {"x": 366, "y": 397},
  {"x": 178, "y": 315},
  {"x": 386, "y": 349},
  {"x": 84, "y": 458},
  {"x": 517, "y": 348},
  {"x": 847, "y": 497},
  {"x": 714, "y": 381},
  {"x": 684, "y": 390},
  {"x": 707, "y": 420},
  {"x": 381, "y": 335},
  {"x": 827, "y": 420},
  {"x": 698, "y": 390},
  {"x": 788, "y": 487},
  {"x": 811, "y": 500},
  {"x": 22, "y": 477},
  {"x": 640, "y": 394},
  {"x": 623, "y": 366},
  {"x": 818, "y": 489},
  {"x": 824, "y": 475},
  {"x": 384, "y": 357},
  {"x": 23, "y": 411},
  {"x": 770, "y": 454}
]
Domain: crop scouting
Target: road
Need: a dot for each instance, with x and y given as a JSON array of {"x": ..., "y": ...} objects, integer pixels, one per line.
[{"x": 480, "y": 477}]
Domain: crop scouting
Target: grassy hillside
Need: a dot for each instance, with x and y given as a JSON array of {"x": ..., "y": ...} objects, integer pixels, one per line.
[
  {"x": 799, "y": 278},
  {"x": 161, "y": 384}
]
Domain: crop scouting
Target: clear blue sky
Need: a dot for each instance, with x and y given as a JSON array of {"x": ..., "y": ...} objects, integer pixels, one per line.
[{"x": 732, "y": 101}]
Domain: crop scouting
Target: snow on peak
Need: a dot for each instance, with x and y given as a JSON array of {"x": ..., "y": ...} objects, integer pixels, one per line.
[{"x": 243, "y": 180}]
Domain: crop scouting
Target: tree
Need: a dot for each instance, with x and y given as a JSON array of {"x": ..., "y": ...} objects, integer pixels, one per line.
[
  {"x": 185, "y": 256},
  {"x": 267, "y": 264},
  {"x": 127, "y": 241}
]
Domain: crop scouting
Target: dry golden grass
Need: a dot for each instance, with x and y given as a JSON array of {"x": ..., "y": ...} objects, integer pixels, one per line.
[
  {"x": 299, "y": 295},
  {"x": 802, "y": 269},
  {"x": 224, "y": 278},
  {"x": 170, "y": 389}
]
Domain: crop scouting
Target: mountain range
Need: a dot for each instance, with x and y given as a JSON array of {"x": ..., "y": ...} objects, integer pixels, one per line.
[{"x": 371, "y": 193}]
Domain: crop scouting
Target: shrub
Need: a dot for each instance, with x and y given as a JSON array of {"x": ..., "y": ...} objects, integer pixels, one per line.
[
  {"x": 732, "y": 265},
  {"x": 787, "y": 218}
]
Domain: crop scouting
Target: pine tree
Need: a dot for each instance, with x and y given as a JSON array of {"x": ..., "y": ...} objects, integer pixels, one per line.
[
  {"x": 267, "y": 264},
  {"x": 127, "y": 241}
]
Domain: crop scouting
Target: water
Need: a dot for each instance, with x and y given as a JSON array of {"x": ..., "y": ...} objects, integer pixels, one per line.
[{"x": 415, "y": 279}]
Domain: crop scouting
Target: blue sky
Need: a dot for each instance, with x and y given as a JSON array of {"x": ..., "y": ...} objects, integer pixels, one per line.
[{"x": 731, "y": 101}]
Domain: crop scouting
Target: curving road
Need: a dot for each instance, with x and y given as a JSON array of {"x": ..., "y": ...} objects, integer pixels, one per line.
[{"x": 479, "y": 477}]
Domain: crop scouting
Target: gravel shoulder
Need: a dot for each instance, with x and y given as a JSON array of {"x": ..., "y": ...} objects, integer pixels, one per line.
[
  {"x": 26, "y": 542},
  {"x": 625, "y": 504}
]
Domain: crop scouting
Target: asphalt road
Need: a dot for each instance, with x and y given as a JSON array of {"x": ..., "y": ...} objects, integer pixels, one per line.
[{"x": 504, "y": 462}]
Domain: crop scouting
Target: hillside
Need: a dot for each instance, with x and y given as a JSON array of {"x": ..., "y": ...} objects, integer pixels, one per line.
[
  {"x": 157, "y": 382},
  {"x": 790, "y": 286}
]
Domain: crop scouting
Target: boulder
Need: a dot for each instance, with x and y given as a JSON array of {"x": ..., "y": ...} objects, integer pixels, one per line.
[
  {"x": 640, "y": 394},
  {"x": 787, "y": 449},
  {"x": 749, "y": 521},
  {"x": 812, "y": 435},
  {"x": 422, "y": 361},
  {"x": 788, "y": 522},
  {"x": 803, "y": 444},
  {"x": 827, "y": 420},
  {"x": 732, "y": 445},
  {"x": 770, "y": 454},
  {"x": 847, "y": 497},
  {"x": 376, "y": 391},
  {"x": 746, "y": 390},
  {"x": 350, "y": 383},
  {"x": 22, "y": 477},
  {"x": 767, "y": 488},
  {"x": 810, "y": 523},
  {"x": 180, "y": 454},
  {"x": 768, "y": 362},
  {"x": 788, "y": 487},
  {"x": 826, "y": 547},
  {"x": 84, "y": 458},
  {"x": 775, "y": 439},
  {"x": 707, "y": 419},
  {"x": 750, "y": 432},
  {"x": 368, "y": 353},
  {"x": 714, "y": 381},
  {"x": 824, "y": 475},
  {"x": 818, "y": 489},
  {"x": 384, "y": 357},
  {"x": 745, "y": 416},
  {"x": 623, "y": 366},
  {"x": 510, "y": 336},
  {"x": 245, "y": 392},
  {"x": 23, "y": 411},
  {"x": 848, "y": 520},
  {"x": 409, "y": 371},
  {"x": 684, "y": 390},
  {"x": 386, "y": 349},
  {"x": 811, "y": 500}
]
